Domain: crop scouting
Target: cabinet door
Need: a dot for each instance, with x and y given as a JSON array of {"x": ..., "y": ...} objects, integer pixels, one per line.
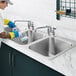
[
  {"x": 25, "y": 66},
  {"x": 5, "y": 64}
]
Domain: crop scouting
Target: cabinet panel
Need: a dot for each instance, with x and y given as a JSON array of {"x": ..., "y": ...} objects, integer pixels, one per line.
[
  {"x": 5, "y": 64},
  {"x": 26, "y": 66}
]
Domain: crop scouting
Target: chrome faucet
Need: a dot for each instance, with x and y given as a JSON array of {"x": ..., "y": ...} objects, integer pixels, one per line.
[
  {"x": 48, "y": 29},
  {"x": 30, "y": 23}
]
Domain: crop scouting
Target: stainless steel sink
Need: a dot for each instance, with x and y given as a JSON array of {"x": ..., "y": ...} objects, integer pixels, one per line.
[
  {"x": 42, "y": 46},
  {"x": 36, "y": 36}
]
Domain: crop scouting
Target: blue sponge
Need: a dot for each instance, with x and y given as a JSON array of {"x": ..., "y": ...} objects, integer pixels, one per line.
[
  {"x": 16, "y": 33},
  {"x": 11, "y": 24}
]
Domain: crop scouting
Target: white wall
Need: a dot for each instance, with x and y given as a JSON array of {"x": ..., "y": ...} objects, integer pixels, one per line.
[
  {"x": 35, "y": 10},
  {"x": 66, "y": 27}
]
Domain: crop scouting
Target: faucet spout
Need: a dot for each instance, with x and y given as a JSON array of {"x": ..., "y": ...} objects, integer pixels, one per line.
[
  {"x": 30, "y": 23},
  {"x": 48, "y": 29}
]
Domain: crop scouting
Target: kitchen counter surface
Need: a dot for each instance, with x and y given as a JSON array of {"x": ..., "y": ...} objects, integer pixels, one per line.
[{"x": 65, "y": 63}]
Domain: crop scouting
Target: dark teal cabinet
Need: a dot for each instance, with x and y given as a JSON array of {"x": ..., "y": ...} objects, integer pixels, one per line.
[
  {"x": 15, "y": 63},
  {"x": 5, "y": 61}
]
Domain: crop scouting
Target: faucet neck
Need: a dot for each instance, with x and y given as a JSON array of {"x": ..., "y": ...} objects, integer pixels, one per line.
[
  {"x": 53, "y": 31},
  {"x": 30, "y": 23}
]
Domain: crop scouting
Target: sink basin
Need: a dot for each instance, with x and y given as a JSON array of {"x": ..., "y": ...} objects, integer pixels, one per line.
[
  {"x": 42, "y": 46},
  {"x": 36, "y": 36}
]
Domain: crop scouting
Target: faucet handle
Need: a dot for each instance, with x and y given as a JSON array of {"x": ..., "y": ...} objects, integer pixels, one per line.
[
  {"x": 53, "y": 31},
  {"x": 32, "y": 25},
  {"x": 29, "y": 24},
  {"x": 54, "y": 28}
]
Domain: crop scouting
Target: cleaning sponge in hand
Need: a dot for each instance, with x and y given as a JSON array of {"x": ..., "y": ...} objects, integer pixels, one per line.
[
  {"x": 16, "y": 33},
  {"x": 11, "y": 24}
]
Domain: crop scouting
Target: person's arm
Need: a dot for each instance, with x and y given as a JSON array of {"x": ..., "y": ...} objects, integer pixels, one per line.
[
  {"x": 10, "y": 35},
  {"x": 5, "y": 35}
]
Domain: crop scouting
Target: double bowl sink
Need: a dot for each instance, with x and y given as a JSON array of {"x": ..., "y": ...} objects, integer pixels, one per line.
[{"x": 40, "y": 44}]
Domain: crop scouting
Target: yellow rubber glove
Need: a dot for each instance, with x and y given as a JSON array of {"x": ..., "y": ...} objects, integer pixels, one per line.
[
  {"x": 6, "y": 21},
  {"x": 12, "y": 35}
]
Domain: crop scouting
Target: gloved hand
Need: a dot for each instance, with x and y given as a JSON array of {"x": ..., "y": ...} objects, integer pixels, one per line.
[
  {"x": 14, "y": 34},
  {"x": 9, "y": 23}
]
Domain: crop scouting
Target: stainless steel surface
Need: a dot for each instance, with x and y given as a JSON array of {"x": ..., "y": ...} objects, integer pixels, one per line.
[{"x": 42, "y": 47}]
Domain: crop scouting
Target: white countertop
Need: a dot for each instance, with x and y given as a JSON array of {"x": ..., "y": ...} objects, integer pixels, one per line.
[{"x": 65, "y": 63}]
